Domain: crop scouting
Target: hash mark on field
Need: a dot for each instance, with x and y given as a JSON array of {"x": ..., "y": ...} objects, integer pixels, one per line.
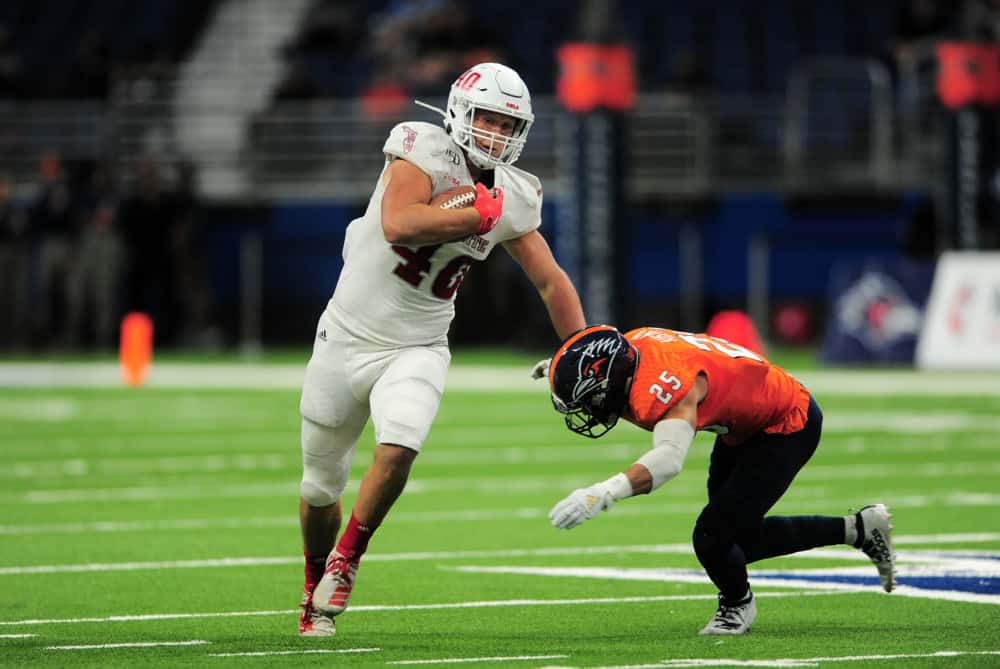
[
  {"x": 458, "y": 660},
  {"x": 315, "y": 651},
  {"x": 136, "y": 644},
  {"x": 16, "y": 636}
]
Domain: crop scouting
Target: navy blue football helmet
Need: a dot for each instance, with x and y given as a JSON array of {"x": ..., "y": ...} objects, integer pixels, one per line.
[{"x": 590, "y": 377}]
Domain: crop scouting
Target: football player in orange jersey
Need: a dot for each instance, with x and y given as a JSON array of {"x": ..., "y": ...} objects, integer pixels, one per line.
[{"x": 768, "y": 425}]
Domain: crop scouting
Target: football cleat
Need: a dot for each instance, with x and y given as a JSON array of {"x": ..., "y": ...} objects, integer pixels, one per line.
[
  {"x": 732, "y": 618},
  {"x": 875, "y": 538},
  {"x": 312, "y": 622},
  {"x": 334, "y": 589}
]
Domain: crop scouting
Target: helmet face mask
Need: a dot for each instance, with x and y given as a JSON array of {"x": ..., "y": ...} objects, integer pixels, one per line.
[
  {"x": 495, "y": 88},
  {"x": 590, "y": 378}
]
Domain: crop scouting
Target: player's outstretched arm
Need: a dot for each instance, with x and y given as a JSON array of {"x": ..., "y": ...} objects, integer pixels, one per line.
[
  {"x": 672, "y": 437},
  {"x": 408, "y": 218},
  {"x": 532, "y": 252}
]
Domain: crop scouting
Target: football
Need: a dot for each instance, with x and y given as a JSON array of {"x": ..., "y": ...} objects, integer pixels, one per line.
[{"x": 455, "y": 198}]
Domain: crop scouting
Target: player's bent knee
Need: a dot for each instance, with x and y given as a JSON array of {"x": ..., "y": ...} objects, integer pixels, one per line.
[
  {"x": 326, "y": 464},
  {"x": 316, "y": 495}
]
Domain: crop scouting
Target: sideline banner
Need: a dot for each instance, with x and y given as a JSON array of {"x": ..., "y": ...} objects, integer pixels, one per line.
[
  {"x": 961, "y": 328},
  {"x": 875, "y": 311}
]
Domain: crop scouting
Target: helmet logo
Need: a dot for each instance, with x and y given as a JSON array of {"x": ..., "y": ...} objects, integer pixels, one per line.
[
  {"x": 467, "y": 80},
  {"x": 511, "y": 105},
  {"x": 595, "y": 359}
]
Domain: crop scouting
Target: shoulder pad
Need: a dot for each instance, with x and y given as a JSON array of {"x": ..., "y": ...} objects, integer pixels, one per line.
[
  {"x": 423, "y": 144},
  {"x": 522, "y": 207}
]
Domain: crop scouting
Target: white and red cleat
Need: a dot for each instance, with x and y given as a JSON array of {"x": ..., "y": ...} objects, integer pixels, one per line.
[
  {"x": 334, "y": 589},
  {"x": 312, "y": 622}
]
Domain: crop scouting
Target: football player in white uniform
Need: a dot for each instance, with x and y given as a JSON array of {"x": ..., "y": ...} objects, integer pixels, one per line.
[{"x": 381, "y": 348}]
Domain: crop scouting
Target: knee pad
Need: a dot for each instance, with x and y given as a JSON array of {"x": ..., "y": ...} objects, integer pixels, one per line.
[{"x": 326, "y": 463}]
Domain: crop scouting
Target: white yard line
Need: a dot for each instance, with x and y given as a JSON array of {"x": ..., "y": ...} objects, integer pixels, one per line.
[
  {"x": 590, "y": 601},
  {"x": 794, "y": 661},
  {"x": 479, "y": 515},
  {"x": 16, "y": 636},
  {"x": 854, "y": 382},
  {"x": 463, "y": 660},
  {"x": 764, "y": 578},
  {"x": 315, "y": 651},
  {"x": 844, "y": 553},
  {"x": 505, "y": 485},
  {"x": 135, "y": 644}
]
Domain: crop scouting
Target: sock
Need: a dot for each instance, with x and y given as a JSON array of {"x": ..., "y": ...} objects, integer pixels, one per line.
[
  {"x": 314, "y": 570},
  {"x": 850, "y": 530},
  {"x": 354, "y": 542},
  {"x": 783, "y": 535},
  {"x": 854, "y": 530},
  {"x": 745, "y": 599}
]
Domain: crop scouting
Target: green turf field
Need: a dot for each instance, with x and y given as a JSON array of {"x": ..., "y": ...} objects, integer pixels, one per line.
[{"x": 157, "y": 527}]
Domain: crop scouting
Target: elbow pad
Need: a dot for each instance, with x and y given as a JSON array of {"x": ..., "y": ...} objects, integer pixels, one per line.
[{"x": 671, "y": 440}]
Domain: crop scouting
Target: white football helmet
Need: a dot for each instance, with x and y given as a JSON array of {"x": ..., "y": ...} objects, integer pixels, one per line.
[{"x": 493, "y": 87}]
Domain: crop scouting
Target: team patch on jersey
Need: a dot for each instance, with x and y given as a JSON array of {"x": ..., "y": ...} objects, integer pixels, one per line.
[{"x": 409, "y": 139}]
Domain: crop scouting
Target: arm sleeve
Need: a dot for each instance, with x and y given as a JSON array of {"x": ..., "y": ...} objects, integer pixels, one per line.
[{"x": 672, "y": 438}]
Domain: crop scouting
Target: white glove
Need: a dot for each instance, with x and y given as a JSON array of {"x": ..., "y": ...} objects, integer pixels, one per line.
[
  {"x": 541, "y": 369},
  {"x": 582, "y": 504}
]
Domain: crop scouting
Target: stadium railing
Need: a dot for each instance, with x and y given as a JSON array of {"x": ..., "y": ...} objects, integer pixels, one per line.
[{"x": 836, "y": 126}]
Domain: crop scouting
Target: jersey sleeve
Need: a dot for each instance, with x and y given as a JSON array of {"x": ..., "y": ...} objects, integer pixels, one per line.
[
  {"x": 522, "y": 204},
  {"x": 662, "y": 379},
  {"x": 424, "y": 145}
]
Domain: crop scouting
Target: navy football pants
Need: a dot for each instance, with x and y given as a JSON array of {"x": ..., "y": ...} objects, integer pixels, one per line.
[{"x": 744, "y": 482}]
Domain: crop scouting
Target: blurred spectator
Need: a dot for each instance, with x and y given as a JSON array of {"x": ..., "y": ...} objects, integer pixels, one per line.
[
  {"x": 688, "y": 74},
  {"x": 329, "y": 25},
  {"x": 440, "y": 37},
  {"x": 148, "y": 217},
  {"x": 980, "y": 20},
  {"x": 90, "y": 73},
  {"x": 15, "y": 269},
  {"x": 385, "y": 97},
  {"x": 196, "y": 328},
  {"x": 96, "y": 279},
  {"x": 913, "y": 64},
  {"x": 298, "y": 83},
  {"x": 414, "y": 49},
  {"x": 12, "y": 84},
  {"x": 166, "y": 274},
  {"x": 322, "y": 57},
  {"x": 922, "y": 22},
  {"x": 53, "y": 219}
]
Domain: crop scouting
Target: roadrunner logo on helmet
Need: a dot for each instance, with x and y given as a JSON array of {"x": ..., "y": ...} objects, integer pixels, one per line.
[
  {"x": 487, "y": 87},
  {"x": 590, "y": 378}
]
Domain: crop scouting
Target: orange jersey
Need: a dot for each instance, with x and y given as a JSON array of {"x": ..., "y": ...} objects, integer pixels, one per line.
[{"x": 746, "y": 394}]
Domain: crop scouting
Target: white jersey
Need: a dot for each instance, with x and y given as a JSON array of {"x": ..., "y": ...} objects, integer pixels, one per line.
[{"x": 397, "y": 296}]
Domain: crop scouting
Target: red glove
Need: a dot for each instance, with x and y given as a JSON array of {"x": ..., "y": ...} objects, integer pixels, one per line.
[{"x": 489, "y": 204}]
